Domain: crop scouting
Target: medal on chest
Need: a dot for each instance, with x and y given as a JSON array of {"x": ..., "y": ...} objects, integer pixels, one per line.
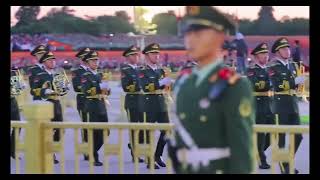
[{"x": 204, "y": 103}]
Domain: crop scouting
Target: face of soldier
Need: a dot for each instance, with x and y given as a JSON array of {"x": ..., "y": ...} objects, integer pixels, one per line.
[
  {"x": 93, "y": 64},
  {"x": 50, "y": 64},
  {"x": 284, "y": 52},
  {"x": 153, "y": 57},
  {"x": 233, "y": 53},
  {"x": 133, "y": 59},
  {"x": 39, "y": 56},
  {"x": 84, "y": 63},
  {"x": 262, "y": 58},
  {"x": 225, "y": 52},
  {"x": 202, "y": 44}
]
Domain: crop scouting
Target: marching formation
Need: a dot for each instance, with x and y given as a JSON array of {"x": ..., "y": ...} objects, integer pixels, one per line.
[{"x": 215, "y": 106}]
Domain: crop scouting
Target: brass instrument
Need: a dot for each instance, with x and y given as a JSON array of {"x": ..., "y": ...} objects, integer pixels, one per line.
[
  {"x": 167, "y": 73},
  {"x": 17, "y": 83},
  {"x": 61, "y": 83},
  {"x": 106, "y": 77},
  {"x": 301, "y": 87}
]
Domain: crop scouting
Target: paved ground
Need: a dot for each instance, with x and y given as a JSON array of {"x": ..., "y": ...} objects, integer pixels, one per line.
[{"x": 115, "y": 115}]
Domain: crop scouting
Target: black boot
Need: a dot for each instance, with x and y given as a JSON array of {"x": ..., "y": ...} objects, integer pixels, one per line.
[
  {"x": 97, "y": 163},
  {"x": 13, "y": 155},
  {"x": 148, "y": 164},
  {"x": 264, "y": 165},
  {"x": 139, "y": 159},
  {"x": 286, "y": 169},
  {"x": 155, "y": 166},
  {"x": 96, "y": 160},
  {"x": 55, "y": 159},
  {"x": 86, "y": 157},
  {"x": 159, "y": 161}
]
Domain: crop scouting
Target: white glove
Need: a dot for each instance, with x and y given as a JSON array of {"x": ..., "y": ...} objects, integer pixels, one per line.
[
  {"x": 23, "y": 85},
  {"x": 48, "y": 91},
  {"x": 299, "y": 80},
  {"x": 165, "y": 81},
  {"x": 104, "y": 85},
  {"x": 69, "y": 86}
]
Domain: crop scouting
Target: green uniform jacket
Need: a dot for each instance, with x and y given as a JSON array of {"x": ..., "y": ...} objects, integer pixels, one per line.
[
  {"x": 261, "y": 82},
  {"x": 130, "y": 83},
  {"x": 34, "y": 80},
  {"x": 283, "y": 80},
  {"x": 44, "y": 82},
  {"x": 218, "y": 115},
  {"x": 90, "y": 86},
  {"x": 76, "y": 82},
  {"x": 150, "y": 83},
  {"x": 76, "y": 78}
]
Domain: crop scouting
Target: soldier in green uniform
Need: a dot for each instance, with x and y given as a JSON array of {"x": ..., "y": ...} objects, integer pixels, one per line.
[
  {"x": 131, "y": 85},
  {"x": 95, "y": 92},
  {"x": 189, "y": 65},
  {"x": 258, "y": 75},
  {"x": 283, "y": 74},
  {"x": 214, "y": 105},
  {"x": 229, "y": 52},
  {"x": 225, "y": 52},
  {"x": 33, "y": 70},
  {"x": 232, "y": 58},
  {"x": 15, "y": 113},
  {"x": 76, "y": 82},
  {"x": 153, "y": 81},
  {"x": 183, "y": 73},
  {"x": 47, "y": 92}
]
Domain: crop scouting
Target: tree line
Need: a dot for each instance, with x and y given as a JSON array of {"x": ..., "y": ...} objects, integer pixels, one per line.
[{"x": 62, "y": 20}]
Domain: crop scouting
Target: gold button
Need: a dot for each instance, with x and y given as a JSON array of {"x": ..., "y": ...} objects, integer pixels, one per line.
[
  {"x": 182, "y": 115},
  {"x": 203, "y": 118}
]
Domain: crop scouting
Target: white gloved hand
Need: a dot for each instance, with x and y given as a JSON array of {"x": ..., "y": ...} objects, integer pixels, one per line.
[
  {"x": 69, "y": 85},
  {"x": 48, "y": 91},
  {"x": 165, "y": 81},
  {"x": 299, "y": 80},
  {"x": 104, "y": 85},
  {"x": 23, "y": 85}
]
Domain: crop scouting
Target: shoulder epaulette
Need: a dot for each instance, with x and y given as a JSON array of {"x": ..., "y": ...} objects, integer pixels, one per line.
[
  {"x": 273, "y": 63},
  {"x": 74, "y": 69},
  {"x": 34, "y": 66},
  {"x": 41, "y": 73},
  {"x": 142, "y": 68},
  {"x": 86, "y": 73},
  {"x": 224, "y": 77},
  {"x": 252, "y": 67},
  {"x": 125, "y": 67}
]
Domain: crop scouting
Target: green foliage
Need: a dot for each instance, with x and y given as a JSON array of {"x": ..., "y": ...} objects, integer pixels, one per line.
[
  {"x": 63, "y": 21},
  {"x": 27, "y": 14},
  {"x": 113, "y": 24},
  {"x": 123, "y": 15},
  {"x": 166, "y": 23},
  {"x": 266, "y": 24}
]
